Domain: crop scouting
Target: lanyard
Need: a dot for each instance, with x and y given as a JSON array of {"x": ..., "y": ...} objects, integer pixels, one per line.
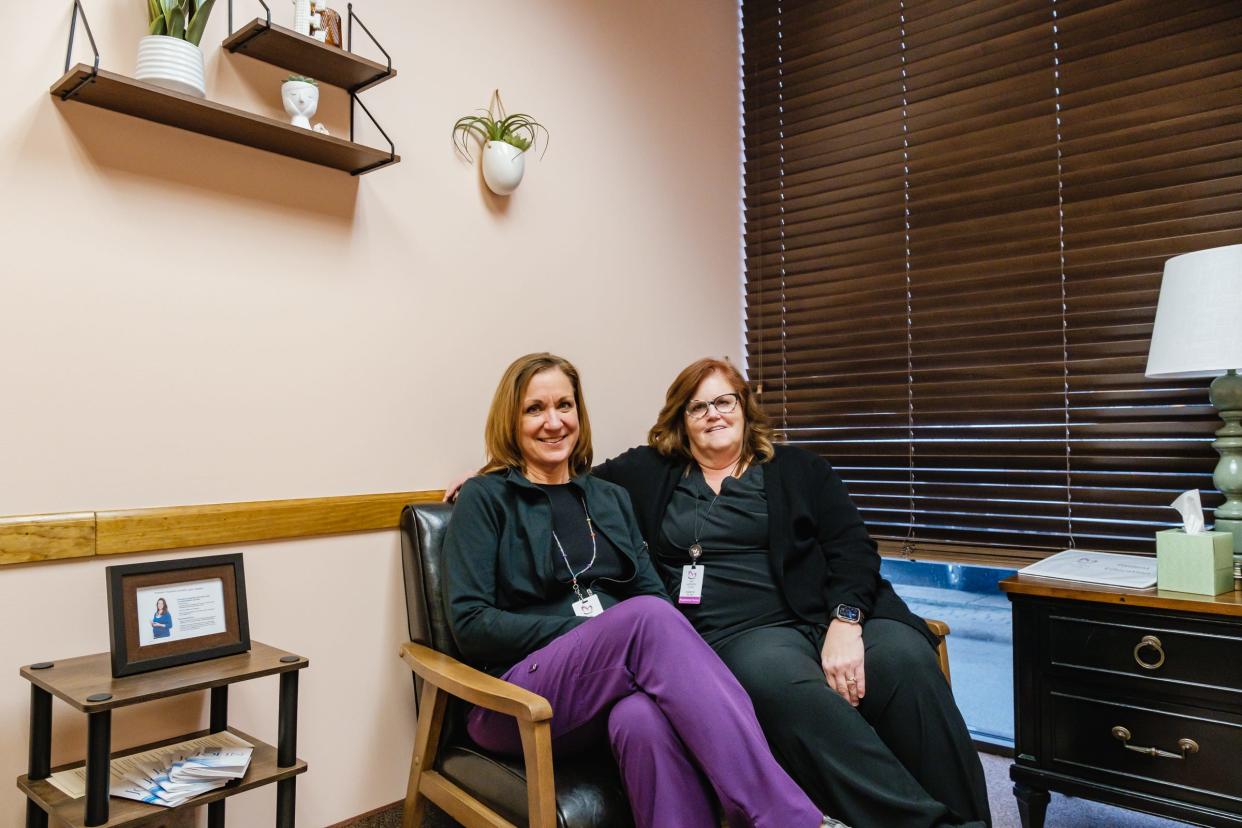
[{"x": 573, "y": 576}]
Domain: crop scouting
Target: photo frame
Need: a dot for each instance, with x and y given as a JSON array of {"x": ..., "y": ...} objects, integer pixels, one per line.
[{"x": 166, "y": 613}]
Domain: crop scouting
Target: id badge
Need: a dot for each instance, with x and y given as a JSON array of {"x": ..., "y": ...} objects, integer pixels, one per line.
[
  {"x": 691, "y": 584},
  {"x": 588, "y": 607}
]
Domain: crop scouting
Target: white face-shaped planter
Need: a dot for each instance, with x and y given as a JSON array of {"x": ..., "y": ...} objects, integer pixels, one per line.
[{"x": 301, "y": 100}]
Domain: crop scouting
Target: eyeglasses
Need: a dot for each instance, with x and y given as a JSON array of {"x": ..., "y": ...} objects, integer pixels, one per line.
[{"x": 724, "y": 404}]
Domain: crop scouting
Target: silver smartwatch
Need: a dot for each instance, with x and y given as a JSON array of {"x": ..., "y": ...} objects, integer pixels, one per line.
[{"x": 848, "y": 614}]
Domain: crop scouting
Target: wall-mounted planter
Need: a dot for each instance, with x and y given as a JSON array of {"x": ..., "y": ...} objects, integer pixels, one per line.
[
  {"x": 171, "y": 63},
  {"x": 503, "y": 166}
]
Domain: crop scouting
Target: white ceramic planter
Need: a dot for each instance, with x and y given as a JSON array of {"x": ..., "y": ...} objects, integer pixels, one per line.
[
  {"x": 301, "y": 100},
  {"x": 172, "y": 63},
  {"x": 503, "y": 167}
]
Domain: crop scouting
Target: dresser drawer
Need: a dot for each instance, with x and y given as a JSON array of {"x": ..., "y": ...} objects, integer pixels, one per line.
[
  {"x": 1089, "y": 739},
  {"x": 1162, "y": 650}
]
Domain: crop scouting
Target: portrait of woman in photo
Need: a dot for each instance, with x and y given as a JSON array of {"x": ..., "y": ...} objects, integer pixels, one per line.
[{"x": 161, "y": 624}]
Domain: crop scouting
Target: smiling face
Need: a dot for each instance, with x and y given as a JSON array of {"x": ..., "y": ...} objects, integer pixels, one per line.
[
  {"x": 548, "y": 426},
  {"x": 160, "y": 607},
  {"x": 715, "y": 438}
]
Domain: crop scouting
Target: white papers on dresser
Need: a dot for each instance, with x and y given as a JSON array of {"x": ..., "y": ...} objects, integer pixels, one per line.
[
  {"x": 1107, "y": 568},
  {"x": 172, "y": 774}
]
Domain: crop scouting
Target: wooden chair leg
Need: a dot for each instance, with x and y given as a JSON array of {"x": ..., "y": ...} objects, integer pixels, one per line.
[
  {"x": 431, "y": 711},
  {"x": 540, "y": 782}
]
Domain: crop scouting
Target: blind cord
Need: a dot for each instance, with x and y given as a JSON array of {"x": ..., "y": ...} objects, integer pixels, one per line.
[
  {"x": 1065, "y": 376},
  {"x": 907, "y": 548}
]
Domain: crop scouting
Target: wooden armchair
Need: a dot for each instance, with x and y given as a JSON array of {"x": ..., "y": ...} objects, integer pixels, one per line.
[{"x": 474, "y": 787}]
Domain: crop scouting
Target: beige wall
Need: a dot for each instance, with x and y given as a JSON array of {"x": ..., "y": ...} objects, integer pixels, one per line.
[{"x": 189, "y": 321}]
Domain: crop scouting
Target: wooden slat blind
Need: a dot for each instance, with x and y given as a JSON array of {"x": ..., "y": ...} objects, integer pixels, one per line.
[{"x": 957, "y": 217}]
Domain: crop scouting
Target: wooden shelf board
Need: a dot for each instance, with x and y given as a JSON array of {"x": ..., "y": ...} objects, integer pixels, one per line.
[
  {"x": 65, "y": 811},
  {"x": 73, "y": 679},
  {"x": 132, "y": 97},
  {"x": 306, "y": 56}
]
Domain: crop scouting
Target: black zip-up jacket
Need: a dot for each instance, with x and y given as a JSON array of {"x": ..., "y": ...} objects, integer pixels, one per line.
[
  {"x": 820, "y": 551},
  {"x": 504, "y": 600}
]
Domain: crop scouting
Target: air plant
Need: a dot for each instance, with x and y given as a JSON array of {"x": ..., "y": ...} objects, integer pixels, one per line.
[
  {"x": 519, "y": 130},
  {"x": 182, "y": 19},
  {"x": 300, "y": 79}
]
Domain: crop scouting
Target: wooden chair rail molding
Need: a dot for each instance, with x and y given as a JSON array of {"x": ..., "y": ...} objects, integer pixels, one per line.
[{"x": 43, "y": 538}]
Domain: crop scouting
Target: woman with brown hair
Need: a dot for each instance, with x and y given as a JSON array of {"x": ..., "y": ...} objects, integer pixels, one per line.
[
  {"x": 549, "y": 586},
  {"x": 768, "y": 557}
]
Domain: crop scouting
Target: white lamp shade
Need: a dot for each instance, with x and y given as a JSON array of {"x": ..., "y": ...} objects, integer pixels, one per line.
[{"x": 1198, "y": 331}]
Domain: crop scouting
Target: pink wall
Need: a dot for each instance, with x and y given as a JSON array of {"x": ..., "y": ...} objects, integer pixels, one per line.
[{"x": 188, "y": 321}]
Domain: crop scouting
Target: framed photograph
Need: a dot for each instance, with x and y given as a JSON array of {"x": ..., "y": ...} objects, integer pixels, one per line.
[{"x": 166, "y": 613}]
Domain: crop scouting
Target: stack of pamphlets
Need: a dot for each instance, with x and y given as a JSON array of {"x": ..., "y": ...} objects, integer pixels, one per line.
[{"x": 172, "y": 774}]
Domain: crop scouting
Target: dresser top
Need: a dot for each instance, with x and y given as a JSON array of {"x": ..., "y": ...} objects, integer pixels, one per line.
[{"x": 1228, "y": 603}]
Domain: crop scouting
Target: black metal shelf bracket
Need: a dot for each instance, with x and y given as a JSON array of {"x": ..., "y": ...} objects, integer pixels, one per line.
[
  {"x": 392, "y": 149},
  {"x": 349, "y": 46},
  {"x": 73, "y": 26},
  {"x": 266, "y": 26},
  {"x": 353, "y": 93}
]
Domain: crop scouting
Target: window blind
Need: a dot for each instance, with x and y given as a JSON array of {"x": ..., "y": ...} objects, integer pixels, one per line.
[{"x": 956, "y": 219}]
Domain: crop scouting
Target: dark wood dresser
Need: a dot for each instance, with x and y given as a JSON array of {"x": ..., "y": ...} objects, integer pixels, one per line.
[{"x": 1130, "y": 697}]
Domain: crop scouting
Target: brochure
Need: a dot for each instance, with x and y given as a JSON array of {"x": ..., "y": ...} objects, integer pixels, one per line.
[{"x": 172, "y": 774}]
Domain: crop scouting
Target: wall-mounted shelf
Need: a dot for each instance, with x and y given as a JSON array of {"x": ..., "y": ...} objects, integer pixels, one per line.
[
  {"x": 124, "y": 94},
  {"x": 304, "y": 55}
]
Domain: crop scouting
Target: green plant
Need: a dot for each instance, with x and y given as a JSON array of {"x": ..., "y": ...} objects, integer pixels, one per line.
[
  {"x": 300, "y": 79},
  {"x": 519, "y": 130},
  {"x": 182, "y": 19}
]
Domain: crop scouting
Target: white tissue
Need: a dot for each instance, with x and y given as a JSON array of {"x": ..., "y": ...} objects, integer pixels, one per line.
[{"x": 1191, "y": 510}]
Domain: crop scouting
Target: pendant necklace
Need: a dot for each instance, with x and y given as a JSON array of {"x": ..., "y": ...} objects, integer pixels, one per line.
[{"x": 696, "y": 548}]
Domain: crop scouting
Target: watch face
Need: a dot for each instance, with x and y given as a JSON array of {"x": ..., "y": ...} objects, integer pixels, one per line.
[{"x": 850, "y": 614}]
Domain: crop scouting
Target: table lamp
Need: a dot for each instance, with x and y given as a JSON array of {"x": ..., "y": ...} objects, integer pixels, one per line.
[{"x": 1198, "y": 333}]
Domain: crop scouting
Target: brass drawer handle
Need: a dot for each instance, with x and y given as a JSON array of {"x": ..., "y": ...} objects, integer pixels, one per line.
[
  {"x": 1154, "y": 643},
  {"x": 1187, "y": 746}
]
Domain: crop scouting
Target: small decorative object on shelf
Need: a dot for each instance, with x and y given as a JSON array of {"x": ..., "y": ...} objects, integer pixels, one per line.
[
  {"x": 302, "y": 17},
  {"x": 169, "y": 56},
  {"x": 326, "y": 24},
  {"x": 505, "y": 140},
  {"x": 300, "y": 95}
]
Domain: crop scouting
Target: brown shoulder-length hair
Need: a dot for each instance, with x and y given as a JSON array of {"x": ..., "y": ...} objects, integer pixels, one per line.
[
  {"x": 668, "y": 435},
  {"x": 500, "y": 437}
]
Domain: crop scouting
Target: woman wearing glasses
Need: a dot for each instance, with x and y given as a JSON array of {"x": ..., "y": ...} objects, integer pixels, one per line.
[
  {"x": 767, "y": 556},
  {"x": 549, "y": 586}
]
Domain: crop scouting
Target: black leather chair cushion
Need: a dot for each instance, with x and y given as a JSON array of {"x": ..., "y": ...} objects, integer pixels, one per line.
[{"x": 589, "y": 793}]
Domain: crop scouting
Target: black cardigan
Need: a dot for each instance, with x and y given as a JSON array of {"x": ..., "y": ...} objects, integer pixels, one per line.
[{"x": 821, "y": 553}]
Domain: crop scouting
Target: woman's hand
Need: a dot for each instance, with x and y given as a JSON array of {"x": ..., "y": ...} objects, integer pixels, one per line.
[
  {"x": 450, "y": 493},
  {"x": 842, "y": 660}
]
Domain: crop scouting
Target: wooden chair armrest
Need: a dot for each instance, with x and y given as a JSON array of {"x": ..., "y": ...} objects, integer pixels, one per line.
[
  {"x": 475, "y": 686},
  {"x": 938, "y": 628}
]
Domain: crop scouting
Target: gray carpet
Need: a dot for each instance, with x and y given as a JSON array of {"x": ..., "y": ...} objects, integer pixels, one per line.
[{"x": 1063, "y": 812}]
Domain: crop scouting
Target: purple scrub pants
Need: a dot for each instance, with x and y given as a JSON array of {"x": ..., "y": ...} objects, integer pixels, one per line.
[{"x": 679, "y": 724}]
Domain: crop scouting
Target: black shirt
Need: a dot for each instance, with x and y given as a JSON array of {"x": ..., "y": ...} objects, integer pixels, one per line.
[
  {"x": 569, "y": 526},
  {"x": 739, "y": 590}
]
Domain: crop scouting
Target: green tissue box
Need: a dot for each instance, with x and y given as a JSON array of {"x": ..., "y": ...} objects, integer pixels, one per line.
[{"x": 1201, "y": 563}]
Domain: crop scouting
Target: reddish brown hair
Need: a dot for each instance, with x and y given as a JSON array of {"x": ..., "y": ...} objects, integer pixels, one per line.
[{"x": 668, "y": 435}]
